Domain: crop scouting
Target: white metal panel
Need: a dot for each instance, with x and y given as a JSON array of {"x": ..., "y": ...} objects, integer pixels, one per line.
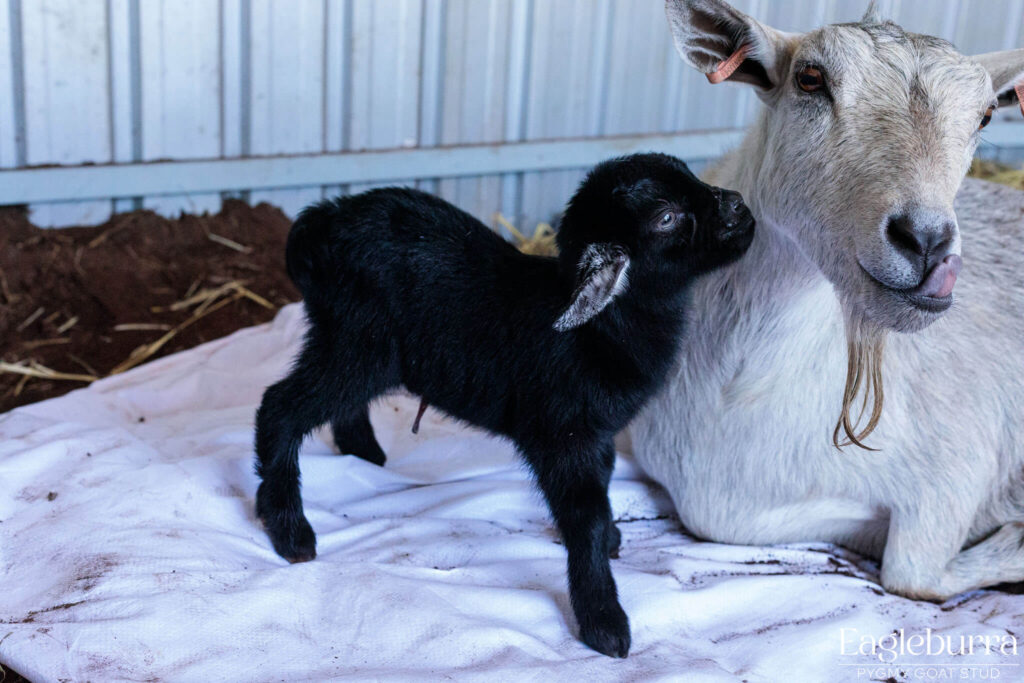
[
  {"x": 119, "y": 50},
  {"x": 65, "y": 62},
  {"x": 473, "y": 94},
  {"x": 287, "y": 91},
  {"x": 937, "y": 18},
  {"x": 434, "y": 62},
  {"x": 385, "y": 78},
  {"x": 640, "y": 44},
  {"x": 287, "y": 76},
  {"x": 234, "y": 49},
  {"x": 337, "y": 80},
  {"x": 180, "y": 81},
  {"x": 988, "y": 30},
  {"x": 385, "y": 62},
  {"x": 562, "y": 96},
  {"x": 122, "y": 53},
  {"x": 8, "y": 132},
  {"x": 520, "y": 38},
  {"x": 433, "y": 45},
  {"x": 67, "y": 120}
]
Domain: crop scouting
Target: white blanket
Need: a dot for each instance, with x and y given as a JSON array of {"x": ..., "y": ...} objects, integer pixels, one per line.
[{"x": 129, "y": 551}]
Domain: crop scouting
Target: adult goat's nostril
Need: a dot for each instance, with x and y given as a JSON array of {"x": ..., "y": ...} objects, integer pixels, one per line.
[
  {"x": 924, "y": 240},
  {"x": 903, "y": 236},
  {"x": 921, "y": 237}
]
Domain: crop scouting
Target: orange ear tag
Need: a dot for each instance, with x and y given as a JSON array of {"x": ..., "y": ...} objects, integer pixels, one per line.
[
  {"x": 729, "y": 66},
  {"x": 1019, "y": 89}
]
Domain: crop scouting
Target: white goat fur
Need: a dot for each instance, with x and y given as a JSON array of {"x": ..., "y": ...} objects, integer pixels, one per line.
[{"x": 741, "y": 437}]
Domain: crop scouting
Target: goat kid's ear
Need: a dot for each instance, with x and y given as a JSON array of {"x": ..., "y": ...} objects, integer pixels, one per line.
[
  {"x": 1006, "y": 69},
  {"x": 708, "y": 32},
  {"x": 601, "y": 276}
]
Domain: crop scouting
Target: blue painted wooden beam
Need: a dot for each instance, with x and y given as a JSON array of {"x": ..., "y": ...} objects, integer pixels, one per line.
[{"x": 73, "y": 183}]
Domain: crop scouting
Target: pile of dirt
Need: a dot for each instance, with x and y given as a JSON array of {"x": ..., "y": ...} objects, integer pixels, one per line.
[{"x": 85, "y": 302}]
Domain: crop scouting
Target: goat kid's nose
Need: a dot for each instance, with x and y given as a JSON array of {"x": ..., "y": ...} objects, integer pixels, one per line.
[
  {"x": 731, "y": 203},
  {"x": 733, "y": 213},
  {"x": 923, "y": 238}
]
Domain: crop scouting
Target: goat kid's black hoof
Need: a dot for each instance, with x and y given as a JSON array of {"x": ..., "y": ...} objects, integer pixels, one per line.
[
  {"x": 291, "y": 535},
  {"x": 607, "y": 632},
  {"x": 614, "y": 542},
  {"x": 294, "y": 541}
]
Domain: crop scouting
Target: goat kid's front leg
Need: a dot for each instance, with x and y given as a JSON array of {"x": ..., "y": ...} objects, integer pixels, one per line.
[
  {"x": 924, "y": 556},
  {"x": 575, "y": 486},
  {"x": 608, "y": 464}
]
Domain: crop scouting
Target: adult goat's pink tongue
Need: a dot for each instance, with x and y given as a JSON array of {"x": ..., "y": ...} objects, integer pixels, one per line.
[{"x": 941, "y": 279}]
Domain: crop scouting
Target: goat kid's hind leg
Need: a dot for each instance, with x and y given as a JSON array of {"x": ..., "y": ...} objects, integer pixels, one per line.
[
  {"x": 320, "y": 386},
  {"x": 575, "y": 486},
  {"x": 335, "y": 375},
  {"x": 353, "y": 434},
  {"x": 286, "y": 414},
  {"x": 290, "y": 410}
]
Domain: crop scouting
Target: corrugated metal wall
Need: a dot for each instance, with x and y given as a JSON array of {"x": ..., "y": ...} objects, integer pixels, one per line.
[{"x": 101, "y": 81}]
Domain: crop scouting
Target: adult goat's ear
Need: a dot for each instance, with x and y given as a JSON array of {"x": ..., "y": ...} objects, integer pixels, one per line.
[
  {"x": 1006, "y": 69},
  {"x": 600, "y": 277},
  {"x": 725, "y": 44}
]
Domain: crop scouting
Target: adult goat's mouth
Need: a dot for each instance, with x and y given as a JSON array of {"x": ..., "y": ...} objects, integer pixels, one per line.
[{"x": 935, "y": 293}]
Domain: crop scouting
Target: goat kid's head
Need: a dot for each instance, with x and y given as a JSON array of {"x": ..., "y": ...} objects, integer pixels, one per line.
[
  {"x": 867, "y": 135},
  {"x": 645, "y": 216}
]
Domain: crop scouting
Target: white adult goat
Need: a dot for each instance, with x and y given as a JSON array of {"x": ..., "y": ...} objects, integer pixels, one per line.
[{"x": 866, "y": 135}]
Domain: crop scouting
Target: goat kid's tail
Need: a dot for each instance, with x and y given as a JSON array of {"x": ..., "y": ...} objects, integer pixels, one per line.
[{"x": 307, "y": 254}]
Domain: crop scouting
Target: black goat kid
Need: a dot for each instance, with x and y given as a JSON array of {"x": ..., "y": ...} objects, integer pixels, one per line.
[{"x": 402, "y": 288}]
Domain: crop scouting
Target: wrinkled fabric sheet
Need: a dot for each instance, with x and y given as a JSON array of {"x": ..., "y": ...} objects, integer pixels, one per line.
[{"x": 129, "y": 551}]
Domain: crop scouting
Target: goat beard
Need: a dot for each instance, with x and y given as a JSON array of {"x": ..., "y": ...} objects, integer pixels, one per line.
[{"x": 864, "y": 394}]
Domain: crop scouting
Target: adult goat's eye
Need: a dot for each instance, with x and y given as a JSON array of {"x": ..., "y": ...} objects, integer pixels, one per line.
[
  {"x": 667, "y": 220},
  {"x": 987, "y": 118},
  {"x": 810, "y": 79}
]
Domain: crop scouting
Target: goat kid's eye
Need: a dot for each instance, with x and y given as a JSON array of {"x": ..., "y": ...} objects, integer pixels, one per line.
[
  {"x": 810, "y": 79},
  {"x": 667, "y": 220},
  {"x": 987, "y": 118}
]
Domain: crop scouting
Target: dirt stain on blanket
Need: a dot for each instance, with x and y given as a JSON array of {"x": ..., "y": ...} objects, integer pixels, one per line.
[
  {"x": 105, "y": 668},
  {"x": 767, "y": 628},
  {"x": 231, "y": 491},
  {"x": 30, "y": 618},
  {"x": 86, "y": 574},
  {"x": 30, "y": 494},
  {"x": 91, "y": 569}
]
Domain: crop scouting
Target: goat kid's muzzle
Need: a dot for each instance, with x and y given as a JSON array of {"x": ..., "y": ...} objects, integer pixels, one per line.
[{"x": 737, "y": 223}]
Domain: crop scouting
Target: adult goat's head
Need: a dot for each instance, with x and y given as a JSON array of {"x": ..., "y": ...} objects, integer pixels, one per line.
[{"x": 868, "y": 133}]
